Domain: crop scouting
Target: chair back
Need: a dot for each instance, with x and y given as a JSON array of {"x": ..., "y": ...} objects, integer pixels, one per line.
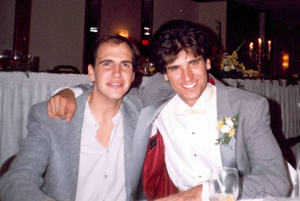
[{"x": 66, "y": 69}]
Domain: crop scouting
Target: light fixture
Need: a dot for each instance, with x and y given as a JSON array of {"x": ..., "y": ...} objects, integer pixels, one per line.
[
  {"x": 285, "y": 60},
  {"x": 124, "y": 33}
]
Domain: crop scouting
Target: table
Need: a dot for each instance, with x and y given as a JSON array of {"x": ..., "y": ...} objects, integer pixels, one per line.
[{"x": 19, "y": 92}]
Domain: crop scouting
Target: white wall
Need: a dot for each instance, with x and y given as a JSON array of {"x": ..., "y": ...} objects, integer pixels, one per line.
[
  {"x": 57, "y": 32},
  {"x": 205, "y": 13},
  {"x": 211, "y": 11},
  {"x": 7, "y": 20}
]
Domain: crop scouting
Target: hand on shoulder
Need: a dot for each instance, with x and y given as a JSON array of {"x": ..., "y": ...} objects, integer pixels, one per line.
[{"x": 62, "y": 105}]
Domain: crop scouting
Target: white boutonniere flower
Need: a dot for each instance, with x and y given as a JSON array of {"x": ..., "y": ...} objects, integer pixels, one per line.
[{"x": 227, "y": 126}]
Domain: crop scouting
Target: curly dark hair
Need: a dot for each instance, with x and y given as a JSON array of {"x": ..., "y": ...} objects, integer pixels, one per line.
[
  {"x": 176, "y": 36},
  {"x": 116, "y": 39}
]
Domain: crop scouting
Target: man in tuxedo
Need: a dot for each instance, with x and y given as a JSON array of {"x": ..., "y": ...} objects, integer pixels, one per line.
[
  {"x": 89, "y": 158},
  {"x": 182, "y": 107}
]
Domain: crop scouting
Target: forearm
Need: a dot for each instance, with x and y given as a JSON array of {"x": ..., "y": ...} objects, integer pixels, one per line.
[
  {"x": 78, "y": 90},
  {"x": 23, "y": 181},
  {"x": 21, "y": 190},
  {"x": 191, "y": 194},
  {"x": 263, "y": 185},
  {"x": 24, "y": 178}
]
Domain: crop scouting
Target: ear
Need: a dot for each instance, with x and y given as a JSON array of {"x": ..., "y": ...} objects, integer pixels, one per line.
[
  {"x": 166, "y": 77},
  {"x": 133, "y": 76},
  {"x": 91, "y": 73},
  {"x": 207, "y": 64}
]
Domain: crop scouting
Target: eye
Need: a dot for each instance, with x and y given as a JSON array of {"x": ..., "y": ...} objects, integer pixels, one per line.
[
  {"x": 107, "y": 63},
  {"x": 194, "y": 62},
  {"x": 173, "y": 68},
  {"x": 127, "y": 65}
]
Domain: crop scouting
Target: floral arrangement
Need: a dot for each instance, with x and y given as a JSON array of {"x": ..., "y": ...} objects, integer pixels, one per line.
[
  {"x": 231, "y": 63},
  {"x": 227, "y": 126},
  {"x": 251, "y": 73}
]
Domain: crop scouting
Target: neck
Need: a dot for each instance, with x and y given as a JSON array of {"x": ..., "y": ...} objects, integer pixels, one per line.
[{"x": 102, "y": 108}]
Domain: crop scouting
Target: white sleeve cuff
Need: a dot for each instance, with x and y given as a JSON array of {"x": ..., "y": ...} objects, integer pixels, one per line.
[
  {"x": 77, "y": 91},
  {"x": 205, "y": 191}
]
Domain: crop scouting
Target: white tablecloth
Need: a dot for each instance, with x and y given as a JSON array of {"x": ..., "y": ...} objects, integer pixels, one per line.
[
  {"x": 18, "y": 93},
  {"x": 287, "y": 99},
  {"x": 284, "y": 106}
]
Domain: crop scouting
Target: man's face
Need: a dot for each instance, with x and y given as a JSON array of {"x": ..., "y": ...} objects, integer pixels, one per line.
[
  {"x": 113, "y": 71},
  {"x": 188, "y": 76}
]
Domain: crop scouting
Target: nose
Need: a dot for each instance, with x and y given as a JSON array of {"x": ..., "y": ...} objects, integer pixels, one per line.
[
  {"x": 187, "y": 74},
  {"x": 116, "y": 71}
]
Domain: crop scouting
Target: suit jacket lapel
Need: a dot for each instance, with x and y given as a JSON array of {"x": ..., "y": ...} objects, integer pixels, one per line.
[
  {"x": 141, "y": 139},
  {"x": 224, "y": 110},
  {"x": 129, "y": 122},
  {"x": 75, "y": 129}
]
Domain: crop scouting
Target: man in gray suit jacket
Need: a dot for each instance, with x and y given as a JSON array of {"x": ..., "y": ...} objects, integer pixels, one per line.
[
  {"x": 77, "y": 161},
  {"x": 185, "y": 111},
  {"x": 180, "y": 118}
]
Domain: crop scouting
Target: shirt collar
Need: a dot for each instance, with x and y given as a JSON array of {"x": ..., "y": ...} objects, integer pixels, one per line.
[{"x": 205, "y": 96}]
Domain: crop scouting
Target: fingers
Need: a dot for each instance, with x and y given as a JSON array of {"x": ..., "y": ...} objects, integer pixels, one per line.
[
  {"x": 62, "y": 105},
  {"x": 70, "y": 111},
  {"x": 56, "y": 107},
  {"x": 51, "y": 109}
]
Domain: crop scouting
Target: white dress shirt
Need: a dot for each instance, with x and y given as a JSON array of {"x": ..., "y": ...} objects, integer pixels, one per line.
[
  {"x": 101, "y": 170},
  {"x": 189, "y": 139}
]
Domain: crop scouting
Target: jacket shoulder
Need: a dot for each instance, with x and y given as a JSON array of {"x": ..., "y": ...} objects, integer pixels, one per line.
[
  {"x": 132, "y": 102},
  {"x": 39, "y": 111}
]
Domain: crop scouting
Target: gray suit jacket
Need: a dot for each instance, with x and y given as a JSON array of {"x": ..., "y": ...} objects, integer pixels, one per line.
[
  {"x": 54, "y": 146},
  {"x": 254, "y": 150}
]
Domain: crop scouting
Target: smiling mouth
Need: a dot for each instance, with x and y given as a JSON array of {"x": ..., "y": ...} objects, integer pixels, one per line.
[
  {"x": 115, "y": 84},
  {"x": 189, "y": 86}
]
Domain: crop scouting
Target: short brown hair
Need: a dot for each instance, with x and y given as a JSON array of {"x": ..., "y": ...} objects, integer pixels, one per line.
[
  {"x": 176, "y": 36},
  {"x": 116, "y": 39}
]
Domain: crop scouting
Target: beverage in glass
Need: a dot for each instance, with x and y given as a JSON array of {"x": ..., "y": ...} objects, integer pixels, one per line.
[{"x": 224, "y": 184}]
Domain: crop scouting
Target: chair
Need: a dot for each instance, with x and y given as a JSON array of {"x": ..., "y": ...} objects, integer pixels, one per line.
[
  {"x": 65, "y": 69},
  {"x": 6, "y": 164}
]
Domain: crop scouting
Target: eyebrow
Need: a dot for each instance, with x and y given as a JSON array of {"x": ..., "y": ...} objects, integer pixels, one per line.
[
  {"x": 104, "y": 61},
  {"x": 127, "y": 61},
  {"x": 193, "y": 60},
  {"x": 170, "y": 67},
  {"x": 110, "y": 60}
]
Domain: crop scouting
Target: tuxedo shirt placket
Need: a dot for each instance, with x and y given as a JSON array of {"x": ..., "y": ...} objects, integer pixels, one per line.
[{"x": 190, "y": 137}]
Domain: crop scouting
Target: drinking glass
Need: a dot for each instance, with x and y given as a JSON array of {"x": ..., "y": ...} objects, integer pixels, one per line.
[
  {"x": 224, "y": 184},
  {"x": 15, "y": 59},
  {"x": 3, "y": 59}
]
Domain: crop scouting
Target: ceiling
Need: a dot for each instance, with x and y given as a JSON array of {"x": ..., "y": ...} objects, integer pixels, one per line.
[{"x": 285, "y": 11}]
